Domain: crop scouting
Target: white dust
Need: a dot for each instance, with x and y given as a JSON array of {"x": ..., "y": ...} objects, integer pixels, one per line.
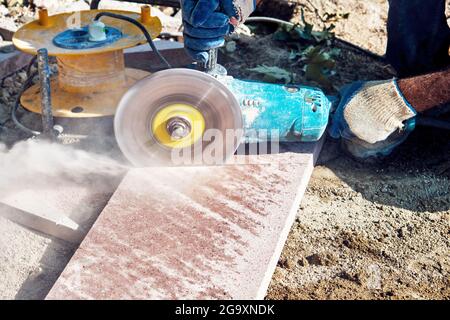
[{"x": 37, "y": 164}]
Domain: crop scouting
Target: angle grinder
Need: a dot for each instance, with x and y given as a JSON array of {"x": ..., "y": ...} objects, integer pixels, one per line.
[{"x": 202, "y": 117}]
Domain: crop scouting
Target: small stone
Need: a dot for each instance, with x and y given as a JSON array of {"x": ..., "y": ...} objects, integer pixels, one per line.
[
  {"x": 5, "y": 94},
  {"x": 401, "y": 232},
  {"x": 389, "y": 293},
  {"x": 303, "y": 262},
  {"x": 37, "y": 272},
  {"x": 347, "y": 243},
  {"x": 316, "y": 260},
  {"x": 286, "y": 263},
  {"x": 324, "y": 259},
  {"x": 230, "y": 47},
  {"x": 404, "y": 231},
  {"x": 3, "y": 10},
  {"x": 350, "y": 277},
  {"x": 33, "y": 69},
  {"x": 282, "y": 263},
  {"x": 22, "y": 76},
  {"x": 8, "y": 82},
  {"x": 54, "y": 69},
  {"x": 290, "y": 264}
]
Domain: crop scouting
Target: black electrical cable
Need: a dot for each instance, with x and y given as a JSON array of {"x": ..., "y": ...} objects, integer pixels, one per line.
[
  {"x": 30, "y": 65},
  {"x": 16, "y": 105},
  {"x": 342, "y": 41},
  {"x": 140, "y": 26}
]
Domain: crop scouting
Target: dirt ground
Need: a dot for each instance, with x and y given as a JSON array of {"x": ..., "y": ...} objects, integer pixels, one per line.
[
  {"x": 363, "y": 231},
  {"x": 371, "y": 231}
]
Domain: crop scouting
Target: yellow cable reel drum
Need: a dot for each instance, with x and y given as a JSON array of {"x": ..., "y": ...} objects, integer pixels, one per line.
[
  {"x": 91, "y": 80},
  {"x": 178, "y": 117}
]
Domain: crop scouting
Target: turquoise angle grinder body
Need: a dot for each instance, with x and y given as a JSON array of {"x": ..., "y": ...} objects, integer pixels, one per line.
[{"x": 283, "y": 112}]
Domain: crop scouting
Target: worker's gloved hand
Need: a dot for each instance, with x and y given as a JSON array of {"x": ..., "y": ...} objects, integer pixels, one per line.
[
  {"x": 372, "y": 118},
  {"x": 206, "y": 22}
]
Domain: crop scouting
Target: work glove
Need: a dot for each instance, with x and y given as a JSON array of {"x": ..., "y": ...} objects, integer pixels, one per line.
[
  {"x": 207, "y": 22},
  {"x": 372, "y": 118}
]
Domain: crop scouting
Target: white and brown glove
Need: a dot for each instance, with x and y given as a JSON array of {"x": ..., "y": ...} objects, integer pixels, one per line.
[{"x": 375, "y": 115}]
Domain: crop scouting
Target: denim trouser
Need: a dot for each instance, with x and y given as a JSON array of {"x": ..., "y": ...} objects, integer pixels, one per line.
[{"x": 418, "y": 36}]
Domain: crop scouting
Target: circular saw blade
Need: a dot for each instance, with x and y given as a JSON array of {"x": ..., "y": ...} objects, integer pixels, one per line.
[{"x": 139, "y": 106}]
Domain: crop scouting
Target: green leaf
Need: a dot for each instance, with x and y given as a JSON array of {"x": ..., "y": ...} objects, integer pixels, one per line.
[
  {"x": 295, "y": 54},
  {"x": 281, "y": 35},
  {"x": 307, "y": 27},
  {"x": 314, "y": 72},
  {"x": 273, "y": 74}
]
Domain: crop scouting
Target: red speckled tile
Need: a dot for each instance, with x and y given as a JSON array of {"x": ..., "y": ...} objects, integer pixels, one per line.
[{"x": 191, "y": 233}]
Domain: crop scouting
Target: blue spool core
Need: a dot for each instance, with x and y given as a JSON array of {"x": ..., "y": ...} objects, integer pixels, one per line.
[{"x": 79, "y": 38}]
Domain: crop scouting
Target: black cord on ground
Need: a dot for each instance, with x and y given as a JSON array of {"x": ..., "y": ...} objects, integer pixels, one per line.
[
  {"x": 343, "y": 42},
  {"x": 16, "y": 105},
  {"x": 141, "y": 27},
  {"x": 30, "y": 65},
  {"x": 14, "y": 108}
]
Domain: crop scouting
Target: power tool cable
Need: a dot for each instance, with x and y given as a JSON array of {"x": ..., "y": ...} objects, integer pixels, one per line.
[
  {"x": 16, "y": 105},
  {"x": 141, "y": 27}
]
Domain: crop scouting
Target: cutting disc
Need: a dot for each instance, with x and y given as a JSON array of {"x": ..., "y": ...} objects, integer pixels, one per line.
[{"x": 178, "y": 117}]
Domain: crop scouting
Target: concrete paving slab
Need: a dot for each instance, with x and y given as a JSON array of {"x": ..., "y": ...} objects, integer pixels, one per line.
[
  {"x": 192, "y": 233},
  {"x": 62, "y": 208},
  {"x": 60, "y": 227}
]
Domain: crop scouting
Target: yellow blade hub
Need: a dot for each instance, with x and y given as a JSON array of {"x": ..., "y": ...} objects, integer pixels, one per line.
[{"x": 193, "y": 130}]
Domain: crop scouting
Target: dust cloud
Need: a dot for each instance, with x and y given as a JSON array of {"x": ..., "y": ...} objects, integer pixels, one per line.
[{"x": 41, "y": 164}]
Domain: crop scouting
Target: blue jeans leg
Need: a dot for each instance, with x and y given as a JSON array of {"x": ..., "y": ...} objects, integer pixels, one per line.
[{"x": 418, "y": 36}]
